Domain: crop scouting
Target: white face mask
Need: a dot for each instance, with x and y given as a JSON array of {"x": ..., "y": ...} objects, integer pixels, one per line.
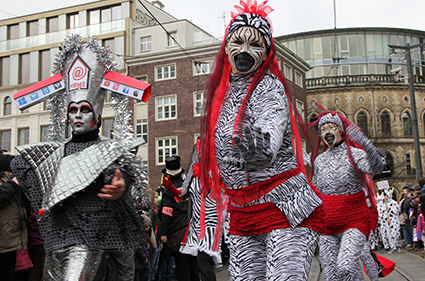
[
  {"x": 81, "y": 117},
  {"x": 246, "y": 50},
  {"x": 331, "y": 134}
]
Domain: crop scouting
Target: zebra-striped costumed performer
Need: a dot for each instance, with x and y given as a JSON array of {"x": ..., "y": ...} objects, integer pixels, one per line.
[
  {"x": 339, "y": 174},
  {"x": 246, "y": 144}
]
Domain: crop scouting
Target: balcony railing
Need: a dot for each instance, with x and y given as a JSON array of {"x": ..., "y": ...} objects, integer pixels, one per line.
[
  {"x": 59, "y": 36},
  {"x": 353, "y": 80}
]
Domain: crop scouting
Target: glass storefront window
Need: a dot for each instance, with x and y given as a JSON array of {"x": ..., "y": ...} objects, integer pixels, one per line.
[
  {"x": 300, "y": 47},
  {"x": 352, "y": 45},
  {"x": 327, "y": 47}
]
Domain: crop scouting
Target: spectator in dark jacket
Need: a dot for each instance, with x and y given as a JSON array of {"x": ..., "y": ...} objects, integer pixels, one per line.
[
  {"x": 13, "y": 234},
  {"x": 174, "y": 222}
]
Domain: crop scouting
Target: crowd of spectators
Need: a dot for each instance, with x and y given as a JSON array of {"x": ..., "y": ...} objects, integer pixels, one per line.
[{"x": 409, "y": 231}]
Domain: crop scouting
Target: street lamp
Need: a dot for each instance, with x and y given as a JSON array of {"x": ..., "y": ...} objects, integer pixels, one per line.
[{"x": 407, "y": 49}]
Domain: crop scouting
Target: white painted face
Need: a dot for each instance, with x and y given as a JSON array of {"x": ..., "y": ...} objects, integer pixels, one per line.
[
  {"x": 246, "y": 50},
  {"x": 81, "y": 117},
  {"x": 331, "y": 134}
]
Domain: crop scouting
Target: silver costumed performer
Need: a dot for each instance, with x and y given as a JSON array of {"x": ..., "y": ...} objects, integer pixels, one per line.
[{"x": 82, "y": 186}]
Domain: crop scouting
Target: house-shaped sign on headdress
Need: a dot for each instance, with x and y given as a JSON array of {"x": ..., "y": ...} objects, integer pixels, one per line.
[
  {"x": 83, "y": 69},
  {"x": 78, "y": 75}
]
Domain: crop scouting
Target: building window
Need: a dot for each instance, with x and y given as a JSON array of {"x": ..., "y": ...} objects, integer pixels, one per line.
[
  {"x": 142, "y": 129},
  {"x": 407, "y": 123},
  {"x": 44, "y": 133},
  {"x": 110, "y": 44},
  {"x": 202, "y": 67},
  {"x": 287, "y": 71},
  {"x": 110, "y": 14},
  {"x": 12, "y": 31},
  {"x": 145, "y": 165},
  {"x": 165, "y": 72},
  {"x": 362, "y": 122},
  {"x": 106, "y": 15},
  {"x": 166, "y": 108},
  {"x": 32, "y": 28},
  {"x": 5, "y": 139},
  {"x": 23, "y": 136},
  {"x": 198, "y": 98},
  {"x": 298, "y": 79},
  {"x": 300, "y": 107},
  {"x": 108, "y": 127},
  {"x": 165, "y": 147},
  {"x": 172, "y": 39},
  {"x": 73, "y": 21},
  {"x": 410, "y": 162},
  {"x": 94, "y": 17},
  {"x": 143, "y": 78},
  {"x": 45, "y": 64},
  {"x": 145, "y": 43},
  {"x": 7, "y": 106},
  {"x": 24, "y": 68},
  {"x": 386, "y": 124},
  {"x": 5, "y": 71},
  {"x": 116, "y": 12},
  {"x": 52, "y": 24}
]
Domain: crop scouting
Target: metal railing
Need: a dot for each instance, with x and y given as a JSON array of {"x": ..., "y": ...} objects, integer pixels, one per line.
[
  {"x": 333, "y": 81},
  {"x": 60, "y": 35}
]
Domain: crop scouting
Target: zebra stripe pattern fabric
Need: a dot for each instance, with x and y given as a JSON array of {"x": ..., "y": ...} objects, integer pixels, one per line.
[
  {"x": 340, "y": 255},
  {"x": 282, "y": 254}
]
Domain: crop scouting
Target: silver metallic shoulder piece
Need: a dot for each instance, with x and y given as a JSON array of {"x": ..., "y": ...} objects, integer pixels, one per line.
[
  {"x": 44, "y": 159},
  {"x": 60, "y": 177}
]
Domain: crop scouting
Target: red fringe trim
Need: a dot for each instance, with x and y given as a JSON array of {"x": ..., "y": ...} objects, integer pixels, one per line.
[
  {"x": 263, "y": 218},
  {"x": 346, "y": 211}
]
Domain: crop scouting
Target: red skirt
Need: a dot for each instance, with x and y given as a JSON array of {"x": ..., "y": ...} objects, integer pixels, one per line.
[{"x": 343, "y": 212}]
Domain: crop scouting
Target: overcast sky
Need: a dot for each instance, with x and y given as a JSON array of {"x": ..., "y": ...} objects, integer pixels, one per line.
[{"x": 289, "y": 16}]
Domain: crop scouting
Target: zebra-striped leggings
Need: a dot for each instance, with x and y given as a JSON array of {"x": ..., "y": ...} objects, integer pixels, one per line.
[
  {"x": 340, "y": 255},
  {"x": 371, "y": 266},
  {"x": 282, "y": 254}
]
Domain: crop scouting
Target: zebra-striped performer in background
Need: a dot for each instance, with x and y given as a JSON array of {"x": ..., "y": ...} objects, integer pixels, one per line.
[
  {"x": 246, "y": 145},
  {"x": 339, "y": 174}
]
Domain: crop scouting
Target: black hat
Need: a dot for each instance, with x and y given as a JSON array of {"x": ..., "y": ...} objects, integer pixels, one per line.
[
  {"x": 172, "y": 165},
  {"x": 408, "y": 186}
]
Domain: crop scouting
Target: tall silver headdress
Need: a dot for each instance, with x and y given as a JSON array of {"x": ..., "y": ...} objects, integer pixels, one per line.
[{"x": 83, "y": 65}]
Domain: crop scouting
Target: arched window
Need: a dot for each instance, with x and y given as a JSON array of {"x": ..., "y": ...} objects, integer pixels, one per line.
[
  {"x": 407, "y": 123},
  {"x": 362, "y": 122},
  {"x": 386, "y": 123},
  {"x": 7, "y": 106},
  {"x": 313, "y": 118}
]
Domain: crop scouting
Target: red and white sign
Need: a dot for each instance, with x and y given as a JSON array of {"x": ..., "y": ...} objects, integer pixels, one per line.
[
  {"x": 78, "y": 75},
  {"x": 127, "y": 86}
]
